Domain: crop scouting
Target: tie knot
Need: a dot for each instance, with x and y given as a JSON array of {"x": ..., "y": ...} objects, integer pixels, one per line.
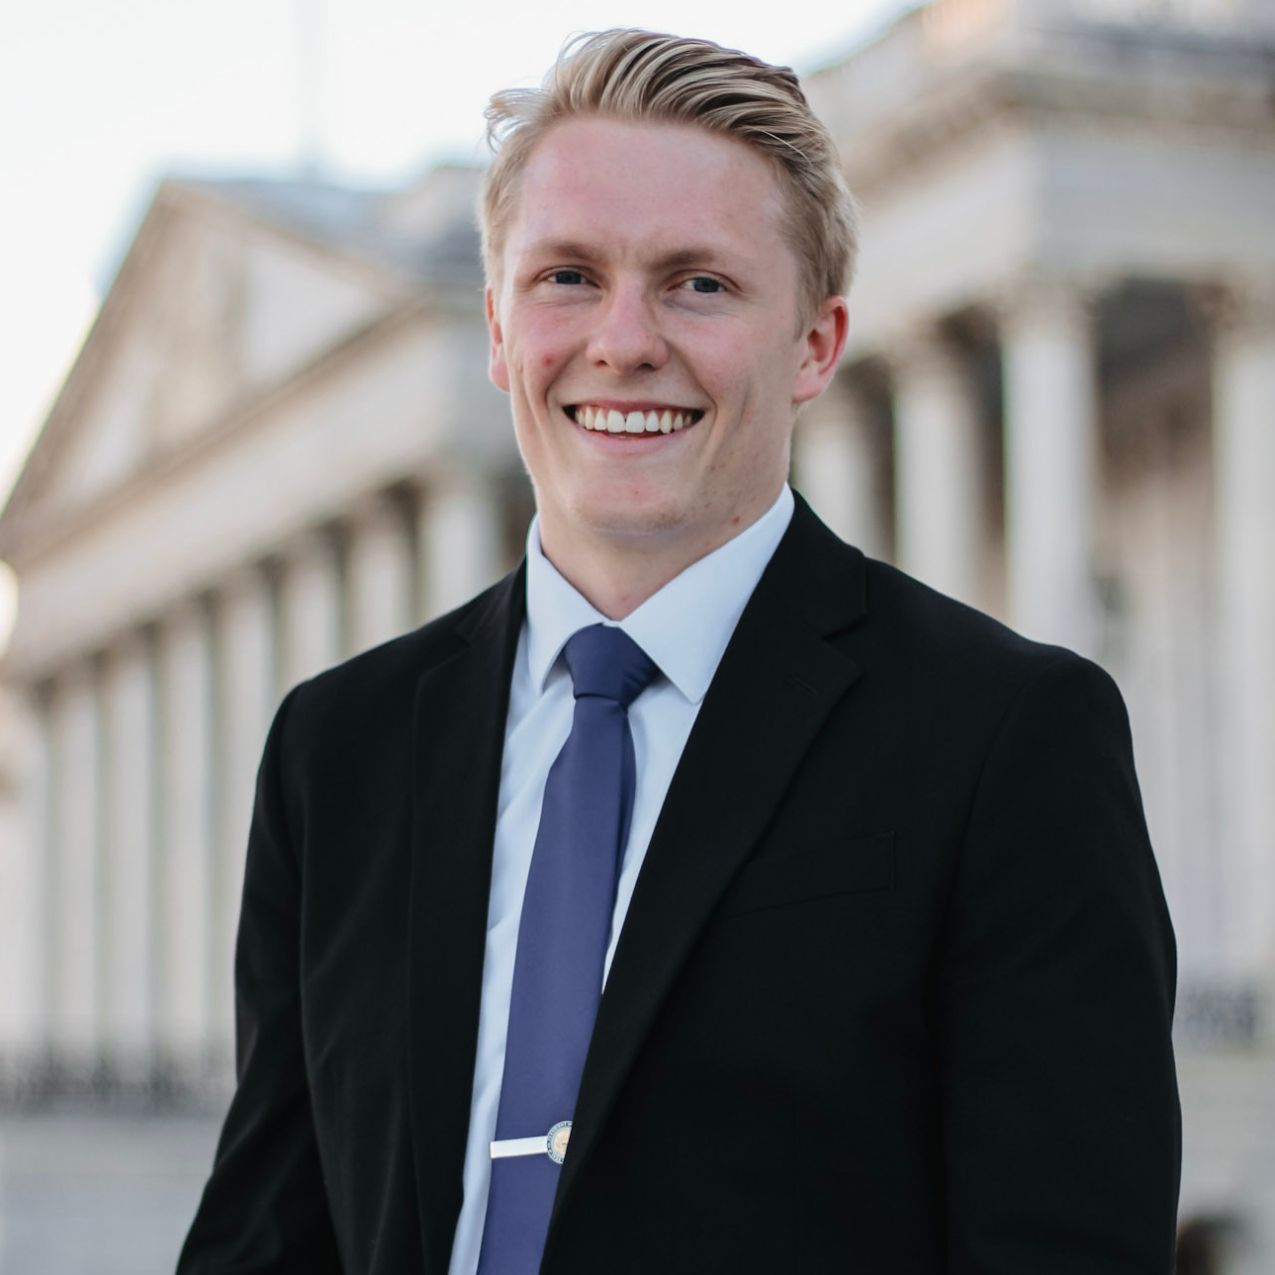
[{"x": 604, "y": 661}]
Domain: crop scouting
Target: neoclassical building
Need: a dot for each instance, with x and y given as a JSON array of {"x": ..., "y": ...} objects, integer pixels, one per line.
[
  {"x": 1059, "y": 397},
  {"x": 279, "y": 447}
]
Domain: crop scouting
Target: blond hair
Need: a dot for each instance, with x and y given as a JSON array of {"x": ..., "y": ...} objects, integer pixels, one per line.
[{"x": 635, "y": 76}]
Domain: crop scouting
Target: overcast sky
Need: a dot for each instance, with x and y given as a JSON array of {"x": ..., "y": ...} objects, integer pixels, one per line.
[{"x": 98, "y": 98}]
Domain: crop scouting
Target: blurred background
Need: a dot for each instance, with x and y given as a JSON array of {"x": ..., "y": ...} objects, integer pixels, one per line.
[{"x": 245, "y": 431}]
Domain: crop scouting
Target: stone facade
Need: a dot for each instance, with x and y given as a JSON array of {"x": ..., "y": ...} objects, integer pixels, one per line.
[{"x": 279, "y": 447}]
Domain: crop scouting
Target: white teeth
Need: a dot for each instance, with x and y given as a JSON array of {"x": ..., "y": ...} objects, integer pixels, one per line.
[{"x": 611, "y": 421}]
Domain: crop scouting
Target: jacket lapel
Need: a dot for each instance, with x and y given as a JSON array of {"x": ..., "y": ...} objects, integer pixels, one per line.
[
  {"x": 458, "y": 733},
  {"x": 775, "y": 686}
]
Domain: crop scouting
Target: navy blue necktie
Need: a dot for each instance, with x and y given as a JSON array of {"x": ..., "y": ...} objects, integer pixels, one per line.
[{"x": 562, "y": 942}]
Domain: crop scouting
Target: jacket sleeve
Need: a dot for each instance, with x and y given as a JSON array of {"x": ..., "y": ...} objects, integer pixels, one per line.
[
  {"x": 1060, "y": 1106},
  {"x": 264, "y": 1208}
]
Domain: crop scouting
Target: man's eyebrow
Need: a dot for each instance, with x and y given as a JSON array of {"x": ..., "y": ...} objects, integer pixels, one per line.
[
  {"x": 704, "y": 255},
  {"x": 680, "y": 258},
  {"x": 567, "y": 249}
]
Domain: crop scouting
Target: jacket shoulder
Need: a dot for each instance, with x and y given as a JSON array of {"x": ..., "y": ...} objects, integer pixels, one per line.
[
  {"x": 382, "y": 679},
  {"x": 958, "y": 654},
  {"x": 943, "y": 629}
]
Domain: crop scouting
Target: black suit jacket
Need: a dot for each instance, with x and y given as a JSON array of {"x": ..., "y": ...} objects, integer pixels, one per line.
[{"x": 893, "y": 996}]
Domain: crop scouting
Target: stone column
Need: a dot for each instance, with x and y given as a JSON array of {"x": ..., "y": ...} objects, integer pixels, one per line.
[
  {"x": 129, "y": 893},
  {"x": 458, "y": 527},
  {"x": 1050, "y": 462},
  {"x": 187, "y": 995},
  {"x": 244, "y": 699},
  {"x": 75, "y": 947},
  {"x": 1244, "y": 468},
  {"x": 938, "y": 465},
  {"x": 25, "y": 901},
  {"x": 836, "y": 466},
  {"x": 310, "y": 606},
  {"x": 379, "y": 572}
]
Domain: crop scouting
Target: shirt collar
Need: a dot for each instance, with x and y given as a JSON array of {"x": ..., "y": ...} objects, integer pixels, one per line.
[{"x": 684, "y": 627}]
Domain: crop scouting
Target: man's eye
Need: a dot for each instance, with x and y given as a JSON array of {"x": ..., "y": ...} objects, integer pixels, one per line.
[
  {"x": 566, "y": 277},
  {"x": 705, "y": 283}
]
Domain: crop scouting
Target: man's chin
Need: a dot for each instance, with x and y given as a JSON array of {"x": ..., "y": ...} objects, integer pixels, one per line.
[{"x": 634, "y": 520}]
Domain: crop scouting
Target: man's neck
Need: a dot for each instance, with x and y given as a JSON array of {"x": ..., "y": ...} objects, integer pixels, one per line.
[{"x": 617, "y": 574}]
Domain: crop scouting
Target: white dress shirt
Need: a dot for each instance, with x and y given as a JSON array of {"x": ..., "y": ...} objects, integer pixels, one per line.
[{"x": 684, "y": 628}]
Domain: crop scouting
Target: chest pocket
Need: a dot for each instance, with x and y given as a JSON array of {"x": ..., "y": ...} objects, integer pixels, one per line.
[{"x": 852, "y": 866}]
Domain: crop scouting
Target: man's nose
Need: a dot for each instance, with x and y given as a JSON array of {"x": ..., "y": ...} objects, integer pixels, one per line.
[{"x": 628, "y": 335}]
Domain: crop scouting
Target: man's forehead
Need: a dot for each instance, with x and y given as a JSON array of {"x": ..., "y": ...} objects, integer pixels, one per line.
[
  {"x": 582, "y": 149},
  {"x": 678, "y": 193}
]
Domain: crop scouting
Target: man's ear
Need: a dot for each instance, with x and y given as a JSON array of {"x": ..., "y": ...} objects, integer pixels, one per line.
[
  {"x": 822, "y": 344},
  {"x": 497, "y": 369}
]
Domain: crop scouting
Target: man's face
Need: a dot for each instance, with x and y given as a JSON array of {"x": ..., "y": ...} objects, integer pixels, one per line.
[{"x": 645, "y": 282}]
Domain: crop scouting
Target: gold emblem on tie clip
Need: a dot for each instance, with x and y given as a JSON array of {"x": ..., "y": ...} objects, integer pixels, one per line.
[{"x": 556, "y": 1142}]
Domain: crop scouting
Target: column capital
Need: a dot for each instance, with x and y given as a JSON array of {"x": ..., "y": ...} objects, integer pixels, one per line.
[
  {"x": 245, "y": 579},
  {"x": 128, "y": 644},
  {"x": 36, "y": 694},
  {"x": 308, "y": 540},
  {"x": 447, "y": 475},
  {"x": 1236, "y": 305},
  {"x": 912, "y": 342},
  {"x": 1040, "y": 291},
  {"x": 841, "y": 397},
  {"x": 191, "y": 609},
  {"x": 77, "y": 675},
  {"x": 377, "y": 507}
]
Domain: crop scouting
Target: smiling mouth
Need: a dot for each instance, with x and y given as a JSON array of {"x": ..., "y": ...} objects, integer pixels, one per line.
[{"x": 603, "y": 420}]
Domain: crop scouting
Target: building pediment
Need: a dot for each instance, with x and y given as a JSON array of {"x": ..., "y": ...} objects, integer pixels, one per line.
[{"x": 214, "y": 303}]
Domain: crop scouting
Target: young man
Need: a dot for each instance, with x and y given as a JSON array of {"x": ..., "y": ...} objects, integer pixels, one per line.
[{"x": 703, "y": 897}]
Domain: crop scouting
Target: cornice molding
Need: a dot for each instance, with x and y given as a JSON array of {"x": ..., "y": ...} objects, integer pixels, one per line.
[
  {"x": 26, "y": 538},
  {"x": 983, "y": 95},
  {"x": 173, "y": 205}
]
